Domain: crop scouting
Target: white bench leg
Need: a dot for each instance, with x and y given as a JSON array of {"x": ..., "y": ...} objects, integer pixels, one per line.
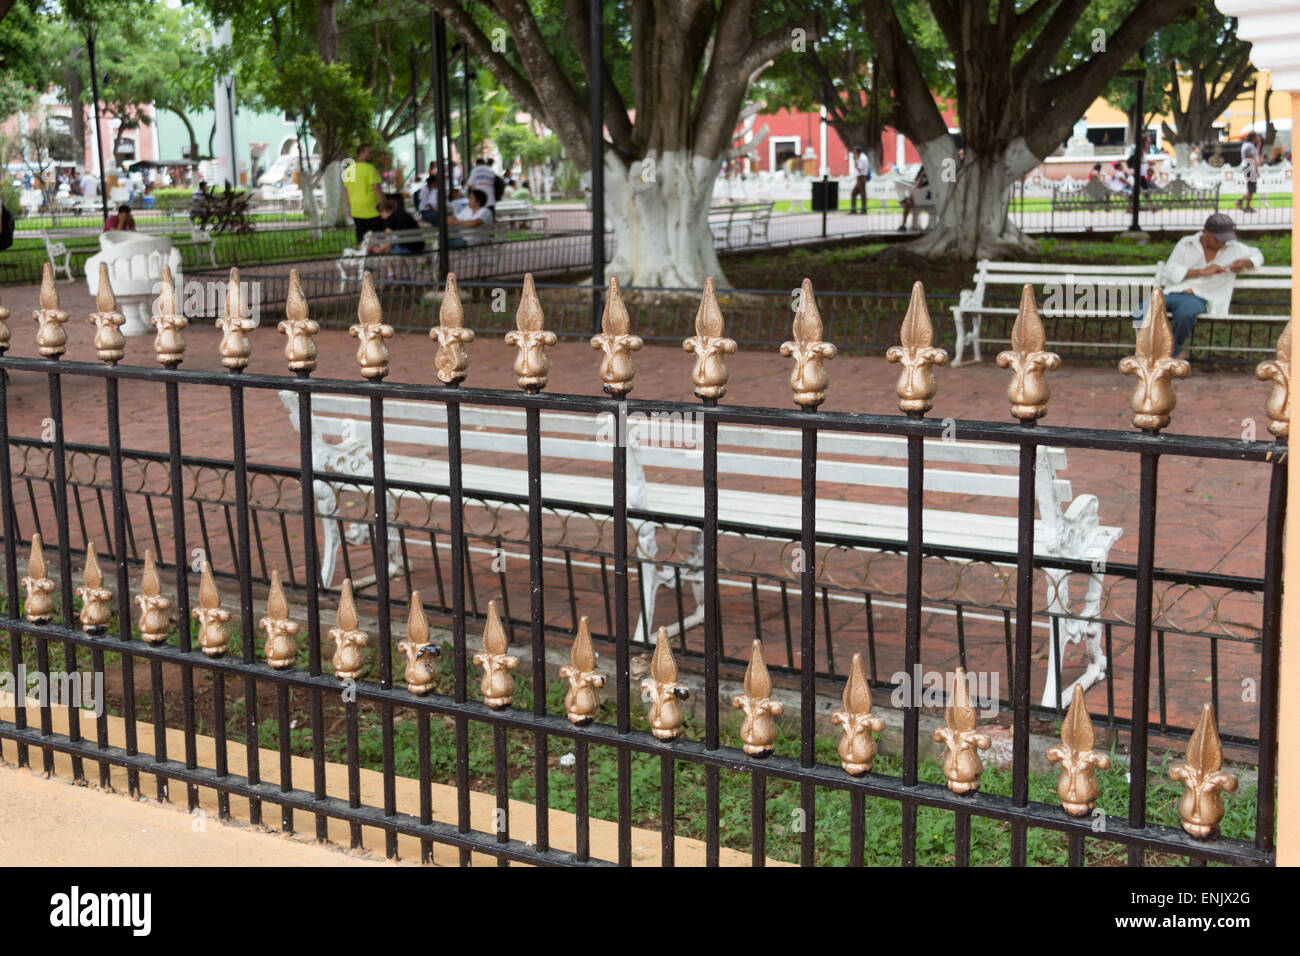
[
  {"x": 1073, "y": 630},
  {"x": 331, "y": 537},
  {"x": 959, "y": 344}
]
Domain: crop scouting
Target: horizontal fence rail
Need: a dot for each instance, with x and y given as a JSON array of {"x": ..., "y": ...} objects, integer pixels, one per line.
[{"x": 258, "y": 524}]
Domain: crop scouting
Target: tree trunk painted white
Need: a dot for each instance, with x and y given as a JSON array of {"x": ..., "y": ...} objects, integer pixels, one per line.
[
  {"x": 1182, "y": 155},
  {"x": 659, "y": 208},
  {"x": 307, "y": 183},
  {"x": 971, "y": 196},
  {"x": 334, "y": 213}
]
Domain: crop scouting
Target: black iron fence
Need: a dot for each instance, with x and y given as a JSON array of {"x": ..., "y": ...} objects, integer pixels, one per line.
[{"x": 272, "y": 518}]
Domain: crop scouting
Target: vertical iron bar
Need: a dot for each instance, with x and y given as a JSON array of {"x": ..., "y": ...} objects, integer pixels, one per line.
[
  {"x": 1270, "y": 636},
  {"x": 182, "y": 580},
  {"x": 120, "y": 532},
  {"x": 457, "y": 531},
  {"x": 1024, "y": 642},
  {"x": 808, "y": 639},
  {"x": 12, "y": 601},
  {"x": 622, "y": 653},
  {"x": 758, "y": 818},
  {"x": 248, "y": 639},
  {"x": 711, "y": 636},
  {"x": 68, "y": 618},
  {"x": 311, "y": 574},
  {"x": 379, "y": 496},
  {"x": 1137, "y": 791},
  {"x": 581, "y": 799},
  {"x": 533, "y": 436},
  {"x": 912, "y": 637}
]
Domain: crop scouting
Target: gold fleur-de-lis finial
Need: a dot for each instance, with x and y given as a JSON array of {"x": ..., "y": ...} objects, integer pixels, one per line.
[
  {"x": 51, "y": 339},
  {"x": 1204, "y": 779},
  {"x": 235, "y": 348},
  {"x": 616, "y": 339},
  {"x": 452, "y": 360},
  {"x": 349, "y": 640},
  {"x": 857, "y": 747},
  {"x": 581, "y": 700},
  {"x": 371, "y": 332},
  {"x": 1028, "y": 361},
  {"x": 281, "y": 646},
  {"x": 531, "y": 338},
  {"x": 917, "y": 356},
  {"x": 298, "y": 329},
  {"x": 110, "y": 343},
  {"x": 168, "y": 344},
  {"x": 962, "y": 742},
  {"x": 5, "y": 334},
  {"x": 663, "y": 693},
  {"x": 758, "y": 729},
  {"x": 1077, "y": 786},
  {"x": 152, "y": 603},
  {"x": 1153, "y": 396},
  {"x": 419, "y": 650},
  {"x": 95, "y": 609},
  {"x": 709, "y": 345},
  {"x": 496, "y": 662},
  {"x": 39, "y": 606},
  {"x": 214, "y": 639},
  {"x": 809, "y": 378},
  {"x": 1279, "y": 370}
]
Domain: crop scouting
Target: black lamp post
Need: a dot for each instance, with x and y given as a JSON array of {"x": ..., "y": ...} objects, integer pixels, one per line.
[
  {"x": 439, "y": 31},
  {"x": 469, "y": 123},
  {"x": 99, "y": 136},
  {"x": 597, "y": 92},
  {"x": 1139, "y": 110}
]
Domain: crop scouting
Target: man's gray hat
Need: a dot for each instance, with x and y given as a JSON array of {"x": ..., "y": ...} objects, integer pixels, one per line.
[{"x": 1221, "y": 227}]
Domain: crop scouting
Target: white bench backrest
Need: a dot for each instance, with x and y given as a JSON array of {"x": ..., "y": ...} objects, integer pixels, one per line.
[{"x": 672, "y": 443}]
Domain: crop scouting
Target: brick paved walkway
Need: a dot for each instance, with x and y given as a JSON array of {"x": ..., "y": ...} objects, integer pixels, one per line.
[{"x": 1212, "y": 512}]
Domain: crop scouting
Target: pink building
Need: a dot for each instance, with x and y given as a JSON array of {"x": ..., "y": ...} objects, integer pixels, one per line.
[{"x": 816, "y": 143}]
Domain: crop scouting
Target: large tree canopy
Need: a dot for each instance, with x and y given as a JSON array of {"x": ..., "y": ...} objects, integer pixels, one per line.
[
  {"x": 676, "y": 73},
  {"x": 1196, "y": 67},
  {"x": 1023, "y": 72}
]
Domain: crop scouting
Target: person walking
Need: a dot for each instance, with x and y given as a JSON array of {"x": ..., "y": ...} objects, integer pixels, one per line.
[
  {"x": 862, "y": 169},
  {"x": 361, "y": 186},
  {"x": 1250, "y": 156}
]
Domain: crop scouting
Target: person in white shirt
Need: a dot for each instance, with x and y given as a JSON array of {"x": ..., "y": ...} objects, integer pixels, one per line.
[
  {"x": 457, "y": 203},
  {"x": 478, "y": 215},
  {"x": 89, "y": 185},
  {"x": 482, "y": 177},
  {"x": 426, "y": 201},
  {"x": 1199, "y": 275},
  {"x": 1250, "y": 168},
  {"x": 862, "y": 169}
]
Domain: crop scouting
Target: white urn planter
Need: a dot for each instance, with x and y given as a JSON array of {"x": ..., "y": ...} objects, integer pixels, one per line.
[{"x": 135, "y": 263}]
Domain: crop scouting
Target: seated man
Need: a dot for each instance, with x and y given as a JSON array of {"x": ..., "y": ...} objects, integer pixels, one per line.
[
  {"x": 426, "y": 201},
  {"x": 478, "y": 215},
  {"x": 395, "y": 218},
  {"x": 920, "y": 195},
  {"x": 1200, "y": 274}
]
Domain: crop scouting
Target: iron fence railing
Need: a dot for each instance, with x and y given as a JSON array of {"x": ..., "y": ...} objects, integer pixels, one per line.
[{"x": 347, "y": 694}]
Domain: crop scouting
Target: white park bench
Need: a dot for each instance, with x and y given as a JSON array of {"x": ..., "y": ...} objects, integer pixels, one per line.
[
  {"x": 751, "y": 219},
  {"x": 355, "y": 260},
  {"x": 1113, "y": 291},
  {"x": 1067, "y": 527}
]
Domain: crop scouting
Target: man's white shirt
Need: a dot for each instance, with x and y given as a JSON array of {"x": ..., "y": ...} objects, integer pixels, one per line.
[
  {"x": 89, "y": 185},
  {"x": 862, "y": 164},
  {"x": 1216, "y": 289},
  {"x": 482, "y": 177},
  {"x": 480, "y": 234}
]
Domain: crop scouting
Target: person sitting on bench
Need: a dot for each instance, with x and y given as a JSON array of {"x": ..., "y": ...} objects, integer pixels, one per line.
[
  {"x": 479, "y": 214},
  {"x": 1200, "y": 274},
  {"x": 393, "y": 214}
]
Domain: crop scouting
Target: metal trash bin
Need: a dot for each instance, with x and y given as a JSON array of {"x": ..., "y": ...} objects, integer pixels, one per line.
[{"x": 825, "y": 195}]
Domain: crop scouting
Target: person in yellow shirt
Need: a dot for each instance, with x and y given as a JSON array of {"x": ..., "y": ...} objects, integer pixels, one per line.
[{"x": 361, "y": 184}]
